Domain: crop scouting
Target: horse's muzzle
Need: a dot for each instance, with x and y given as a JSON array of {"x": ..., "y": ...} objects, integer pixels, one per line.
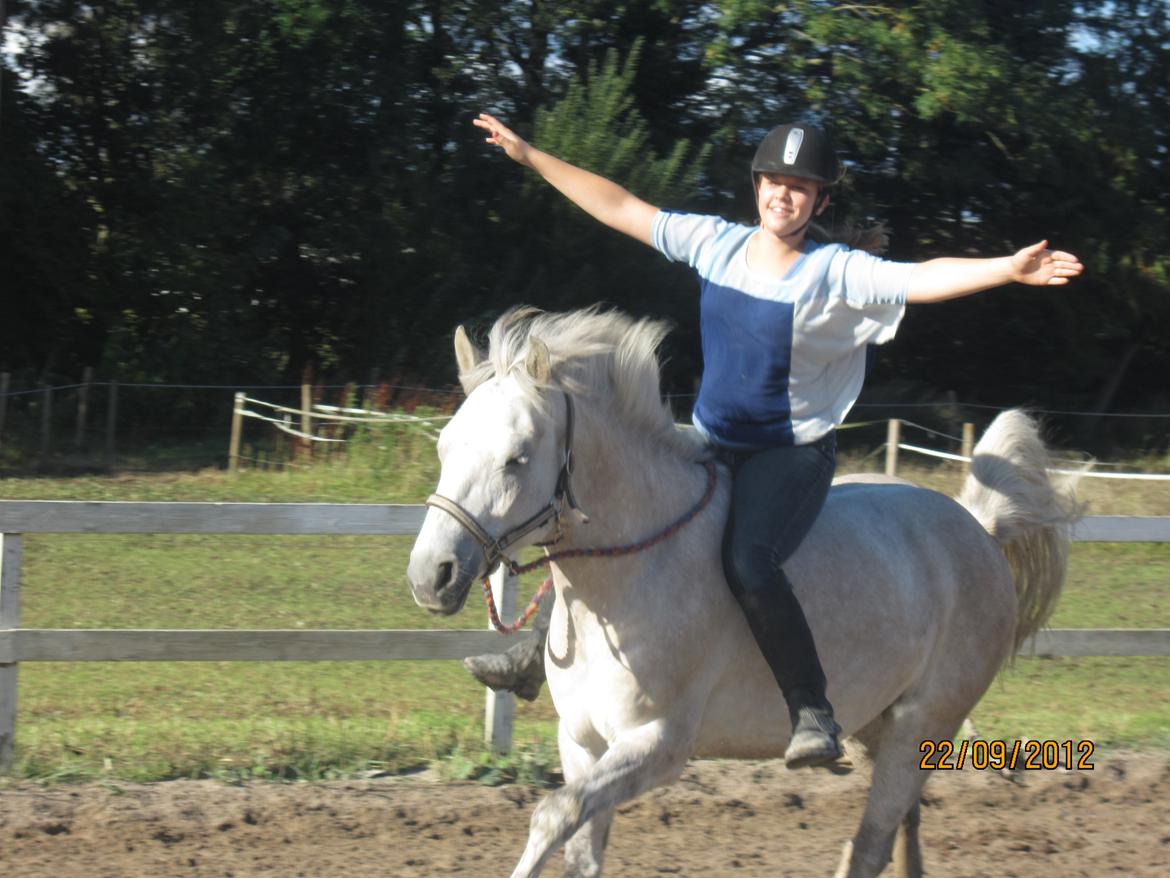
[{"x": 439, "y": 585}]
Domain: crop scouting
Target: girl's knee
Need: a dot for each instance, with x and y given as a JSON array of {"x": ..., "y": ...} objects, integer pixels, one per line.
[{"x": 749, "y": 569}]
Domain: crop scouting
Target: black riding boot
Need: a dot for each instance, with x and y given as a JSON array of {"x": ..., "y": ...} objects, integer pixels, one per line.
[
  {"x": 782, "y": 633},
  {"x": 520, "y": 668}
]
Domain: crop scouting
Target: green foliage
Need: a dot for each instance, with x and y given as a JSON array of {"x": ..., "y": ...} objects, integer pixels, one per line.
[
  {"x": 535, "y": 764},
  {"x": 597, "y": 125},
  {"x": 223, "y": 192}
]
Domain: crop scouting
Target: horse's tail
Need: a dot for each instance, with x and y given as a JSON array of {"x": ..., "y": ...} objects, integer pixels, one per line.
[{"x": 1030, "y": 514}]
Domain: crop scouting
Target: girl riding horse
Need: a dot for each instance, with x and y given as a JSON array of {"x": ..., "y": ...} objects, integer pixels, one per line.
[{"x": 785, "y": 324}]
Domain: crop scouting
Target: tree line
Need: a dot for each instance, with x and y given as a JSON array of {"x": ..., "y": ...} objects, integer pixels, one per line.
[{"x": 232, "y": 192}]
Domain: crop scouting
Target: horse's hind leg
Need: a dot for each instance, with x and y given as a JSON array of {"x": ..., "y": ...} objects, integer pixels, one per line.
[
  {"x": 897, "y": 783},
  {"x": 893, "y": 796},
  {"x": 907, "y": 850}
]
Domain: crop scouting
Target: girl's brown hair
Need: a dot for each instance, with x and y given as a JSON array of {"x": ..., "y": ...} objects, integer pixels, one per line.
[{"x": 875, "y": 239}]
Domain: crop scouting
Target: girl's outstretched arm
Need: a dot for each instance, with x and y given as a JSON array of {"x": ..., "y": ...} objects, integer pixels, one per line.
[
  {"x": 602, "y": 199},
  {"x": 940, "y": 279}
]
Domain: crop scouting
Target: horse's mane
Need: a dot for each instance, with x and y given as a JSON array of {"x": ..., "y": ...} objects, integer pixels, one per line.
[{"x": 594, "y": 354}]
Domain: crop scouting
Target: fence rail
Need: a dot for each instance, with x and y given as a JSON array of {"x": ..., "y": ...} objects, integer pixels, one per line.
[
  {"x": 18, "y": 517},
  {"x": 352, "y": 519}
]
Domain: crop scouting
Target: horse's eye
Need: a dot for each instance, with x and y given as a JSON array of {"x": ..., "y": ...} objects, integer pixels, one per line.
[{"x": 518, "y": 460}]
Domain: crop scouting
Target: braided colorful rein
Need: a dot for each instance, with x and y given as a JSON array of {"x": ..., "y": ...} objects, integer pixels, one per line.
[{"x": 606, "y": 552}]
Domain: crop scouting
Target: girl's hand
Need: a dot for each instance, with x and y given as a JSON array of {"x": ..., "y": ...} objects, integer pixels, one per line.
[
  {"x": 502, "y": 136},
  {"x": 1038, "y": 266}
]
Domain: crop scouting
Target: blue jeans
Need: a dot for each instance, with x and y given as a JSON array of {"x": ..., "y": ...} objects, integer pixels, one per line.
[{"x": 777, "y": 494}]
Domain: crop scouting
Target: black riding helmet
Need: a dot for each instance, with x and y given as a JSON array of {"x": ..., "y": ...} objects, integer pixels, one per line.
[{"x": 797, "y": 150}]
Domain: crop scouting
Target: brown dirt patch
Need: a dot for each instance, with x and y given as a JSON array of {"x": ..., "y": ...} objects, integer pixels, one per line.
[{"x": 722, "y": 818}]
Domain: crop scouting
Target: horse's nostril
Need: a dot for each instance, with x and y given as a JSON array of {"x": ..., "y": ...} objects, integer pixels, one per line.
[{"x": 446, "y": 570}]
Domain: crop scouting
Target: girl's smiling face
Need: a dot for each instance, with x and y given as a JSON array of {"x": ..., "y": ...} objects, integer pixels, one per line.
[{"x": 786, "y": 204}]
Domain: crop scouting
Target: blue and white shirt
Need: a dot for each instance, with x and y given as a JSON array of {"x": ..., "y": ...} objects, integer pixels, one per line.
[{"x": 783, "y": 360}]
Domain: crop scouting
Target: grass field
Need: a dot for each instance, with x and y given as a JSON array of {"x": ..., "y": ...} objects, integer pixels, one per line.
[{"x": 308, "y": 720}]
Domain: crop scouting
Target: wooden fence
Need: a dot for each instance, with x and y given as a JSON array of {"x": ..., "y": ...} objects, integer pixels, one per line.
[{"x": 18, "y": 517}]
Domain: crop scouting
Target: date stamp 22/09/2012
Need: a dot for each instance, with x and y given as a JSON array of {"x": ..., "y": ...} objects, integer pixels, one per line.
[{"x": 1026, "y": 755}]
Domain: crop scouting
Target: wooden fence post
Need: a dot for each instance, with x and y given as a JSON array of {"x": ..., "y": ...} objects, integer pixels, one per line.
[
  {"x": 893, "y": 437},
  {"x": 968, "y": 443},
  {"x": 4, "y": 381},
  {"x": 307, "y": 416},
  {"x": 46, "y": 417},
  {"x": 237, "y": 429},
  {"x": 111, "y": 420},
  {"x": 501, "y": 708},
  {"x": 82, "y": 407},
  {"x": 9, "y": 618}
]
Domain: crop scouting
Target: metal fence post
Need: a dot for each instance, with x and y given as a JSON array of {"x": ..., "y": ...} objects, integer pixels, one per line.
[
  {"x": 9, "y": 618},
  {"x": 501, "y": 707}
]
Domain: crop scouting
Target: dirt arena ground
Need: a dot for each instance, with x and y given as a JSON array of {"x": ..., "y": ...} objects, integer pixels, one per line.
[{"x": 722, "y": 818}]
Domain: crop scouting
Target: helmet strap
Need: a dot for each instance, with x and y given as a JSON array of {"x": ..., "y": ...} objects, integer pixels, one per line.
[{"x": 799, "y": 231}]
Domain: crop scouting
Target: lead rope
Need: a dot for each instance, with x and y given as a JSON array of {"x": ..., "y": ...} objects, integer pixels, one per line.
[{"x": 606, "y": 552}]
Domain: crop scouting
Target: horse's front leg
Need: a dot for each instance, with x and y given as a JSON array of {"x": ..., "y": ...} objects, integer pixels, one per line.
[
  {"x": 640, "y": 759},
  {"x": 585, "y": 849}
]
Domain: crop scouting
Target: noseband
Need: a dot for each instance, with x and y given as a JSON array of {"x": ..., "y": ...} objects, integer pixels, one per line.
[{"x": 495, "y": 549}]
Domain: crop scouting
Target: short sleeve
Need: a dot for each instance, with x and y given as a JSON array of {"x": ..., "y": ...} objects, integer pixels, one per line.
[
  {"x": 684, "y": 237},
  {"x": 872, "y": 289},
  {"x": 870, "y": 280}
]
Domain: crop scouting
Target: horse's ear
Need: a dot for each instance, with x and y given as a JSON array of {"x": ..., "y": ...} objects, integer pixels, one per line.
[
  {"x": 538, "y": 362},
  {"x": 467, "y": 357}
]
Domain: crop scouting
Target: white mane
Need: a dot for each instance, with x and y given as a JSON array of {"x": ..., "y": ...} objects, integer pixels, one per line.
[{"x": 603, "y": 357}]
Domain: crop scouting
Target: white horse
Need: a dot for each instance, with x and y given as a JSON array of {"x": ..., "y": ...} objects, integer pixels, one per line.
[{"x": 915, "y": 600}]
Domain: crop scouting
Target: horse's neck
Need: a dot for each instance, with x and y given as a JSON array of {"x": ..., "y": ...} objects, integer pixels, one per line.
[
  {"x": 629, "y": 487},
  {"x": 632, "y": 489},
  {"x": 609, "y": 605}
]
